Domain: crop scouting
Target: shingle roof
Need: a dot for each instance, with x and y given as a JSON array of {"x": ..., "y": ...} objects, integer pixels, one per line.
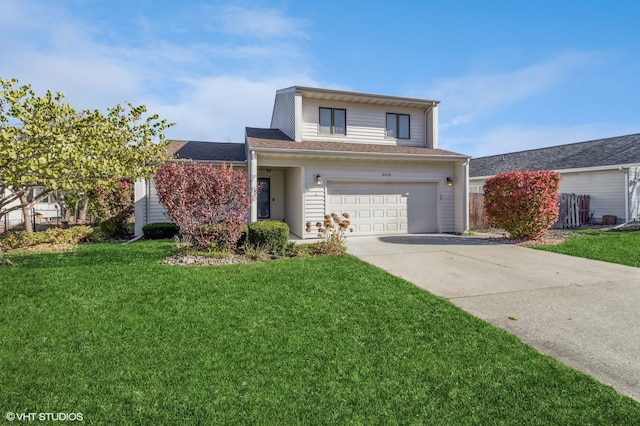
[
  {"x": 601, "y": 152},
  {"x": 208, "y": 151},
  {"x": 275, "y": 139}
]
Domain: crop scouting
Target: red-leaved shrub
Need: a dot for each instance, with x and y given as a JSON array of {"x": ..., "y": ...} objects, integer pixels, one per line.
[
  {"x": 209, "y": 203},
  {"x": 113, "y": 205},
  {"x": 525, "y": 204}
]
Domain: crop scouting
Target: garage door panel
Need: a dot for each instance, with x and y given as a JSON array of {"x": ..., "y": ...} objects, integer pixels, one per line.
[{"x": 386, "y": 208}]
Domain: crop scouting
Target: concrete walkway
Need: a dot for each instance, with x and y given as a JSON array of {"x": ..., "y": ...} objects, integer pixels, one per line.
[{"x": 582, "y": 312}]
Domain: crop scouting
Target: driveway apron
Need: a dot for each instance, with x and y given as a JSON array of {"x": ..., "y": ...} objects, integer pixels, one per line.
[{"x": 584, "y": 313}]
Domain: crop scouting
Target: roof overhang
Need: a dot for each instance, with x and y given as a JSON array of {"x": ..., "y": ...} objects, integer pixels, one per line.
[
  {"x": 366, "y": 98},
  {"x": 358, "y": 152},
  {"x": 620, "y": 167}
]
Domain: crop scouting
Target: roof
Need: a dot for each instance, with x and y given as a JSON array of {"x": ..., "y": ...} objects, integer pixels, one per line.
[
  {"x": 368, "y": 98},
  {"x": 596, "y": 153},
  {"x": 276, "y": 140},
  {"x": 223, "y": 152}
]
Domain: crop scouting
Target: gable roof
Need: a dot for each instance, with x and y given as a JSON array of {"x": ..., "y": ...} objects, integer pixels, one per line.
[
  {"x": 222, "y": 152},
  {"x": 276, "y": 140},
  {"x": 596, "y": 153}
]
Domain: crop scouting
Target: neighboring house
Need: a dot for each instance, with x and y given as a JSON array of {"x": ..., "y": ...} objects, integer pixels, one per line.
[
  {"x": 608, "y": 170},
  {"x": 45, "y": 209},
  {"x": 373, "y": 156}
]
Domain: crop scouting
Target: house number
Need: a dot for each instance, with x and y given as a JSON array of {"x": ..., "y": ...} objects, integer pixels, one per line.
[{"x": 386, "y": 174}]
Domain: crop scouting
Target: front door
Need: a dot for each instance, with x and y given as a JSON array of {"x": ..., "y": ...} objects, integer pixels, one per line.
[{"x": 264, "y": 198}]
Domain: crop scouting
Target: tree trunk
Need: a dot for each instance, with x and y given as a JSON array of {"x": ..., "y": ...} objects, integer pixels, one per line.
[
  {"x": 83, "y": 210},
  {"x": 28, "y": 225}
]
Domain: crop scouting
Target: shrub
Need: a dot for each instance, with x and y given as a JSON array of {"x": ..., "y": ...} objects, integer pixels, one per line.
[
  {"x": 255, "y": 253},
  {"x": 335, "y": 228},
  {"x": 272, "y": 235},
  {"x": 198, "y": 197},
  {"x": 160, "y": 230},
  {"x": 525, "y": 204},
  {"x": 23, "y": 239},
  {"x": 327, "y": 248},
  {"x": 114, "y": 206}
]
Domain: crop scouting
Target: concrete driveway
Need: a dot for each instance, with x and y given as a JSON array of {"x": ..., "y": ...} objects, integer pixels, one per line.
[{"x": 582, "y": 312}]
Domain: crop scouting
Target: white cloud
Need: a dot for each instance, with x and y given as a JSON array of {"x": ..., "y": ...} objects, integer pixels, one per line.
[
  {"x": 212, "y": 87},
  {"x": 478, "y": 95},
  {"x": 257, "y": 23},
  {"x": 219, "y": 108}
]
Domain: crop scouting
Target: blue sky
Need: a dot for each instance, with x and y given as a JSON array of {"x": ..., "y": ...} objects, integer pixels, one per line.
[{"x": 510, "y": 75}]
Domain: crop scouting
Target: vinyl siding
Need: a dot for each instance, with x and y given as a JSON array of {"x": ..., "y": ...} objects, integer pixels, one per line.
[
  {"x": 156, "y": 212},
  {"x": 365, "y": 123},
  {"x": 605, "y": 188},
  {"x": 284, "y": 113},
  {"x": 293, "y": 200}
]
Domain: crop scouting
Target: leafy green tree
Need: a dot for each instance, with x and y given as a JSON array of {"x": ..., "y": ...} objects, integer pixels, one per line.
[{"x": 46, "y": 143}]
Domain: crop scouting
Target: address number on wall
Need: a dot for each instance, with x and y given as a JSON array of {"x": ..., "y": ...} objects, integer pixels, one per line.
[{"x": 386, "y": 174}]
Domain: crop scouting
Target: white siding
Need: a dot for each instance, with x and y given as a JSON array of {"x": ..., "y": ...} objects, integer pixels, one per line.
[
  {"x": 156, "y": 212},
  {"x": 293, "y": 200},
  {"x": 606, "y": 190},
  {"x": 284, "y": 113},
  {"x": 365, "y": 123}
]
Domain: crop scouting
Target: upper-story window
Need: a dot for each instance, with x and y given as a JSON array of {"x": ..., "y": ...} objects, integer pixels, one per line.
[
  {"x": 333, "y": 121},
  {"x": 398, "y": 126}
]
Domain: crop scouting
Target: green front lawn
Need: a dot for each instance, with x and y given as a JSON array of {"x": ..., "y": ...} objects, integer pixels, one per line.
[
  {"x": 109, "y": 332},
  {"x": 609, "y": 246}
]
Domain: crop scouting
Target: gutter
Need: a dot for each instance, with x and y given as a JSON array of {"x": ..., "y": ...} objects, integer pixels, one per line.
[{"x": 308, "y": 152}]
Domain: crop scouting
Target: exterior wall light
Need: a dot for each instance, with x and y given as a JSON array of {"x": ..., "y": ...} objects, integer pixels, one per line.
[
  {"x": 319, "y": 180},
  {"x": 450, "y": 181}
]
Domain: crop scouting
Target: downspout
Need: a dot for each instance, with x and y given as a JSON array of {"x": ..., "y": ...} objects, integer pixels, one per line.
[
  {"x": 253, "y": 175},
  {"x": 426, "y": 127},
  {"x": 465, "y": 197},
  {"x": 626, "y": 192}
]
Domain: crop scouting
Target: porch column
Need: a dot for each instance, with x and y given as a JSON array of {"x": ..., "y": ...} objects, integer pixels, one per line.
[
  {"x": 465, "y": 196},
  {"x": 253, "y": 176},
  {"x": 141, "y": 197}
]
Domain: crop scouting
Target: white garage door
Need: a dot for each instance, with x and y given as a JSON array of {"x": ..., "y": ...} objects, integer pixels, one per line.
[{"x": 386, "y": 208}]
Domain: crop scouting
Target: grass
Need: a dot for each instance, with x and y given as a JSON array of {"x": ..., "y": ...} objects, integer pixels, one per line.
[
  {"x": 609, "y": 246},
  {"x": 109, "y": 332}
]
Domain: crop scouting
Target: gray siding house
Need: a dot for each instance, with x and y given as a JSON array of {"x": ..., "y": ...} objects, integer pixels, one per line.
[{"x": 608, "y": 170}]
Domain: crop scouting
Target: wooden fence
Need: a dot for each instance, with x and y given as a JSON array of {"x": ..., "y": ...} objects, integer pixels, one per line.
[
  {"x": 477, "y": 217},
  {"x": 574, "y": 211}
]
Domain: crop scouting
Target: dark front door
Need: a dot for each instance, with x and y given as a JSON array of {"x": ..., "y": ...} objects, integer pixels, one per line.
[{"x": 264, "y": 198}]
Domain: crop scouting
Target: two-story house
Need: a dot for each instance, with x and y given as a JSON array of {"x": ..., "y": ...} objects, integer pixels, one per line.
[{"x": 373, "y": 156}]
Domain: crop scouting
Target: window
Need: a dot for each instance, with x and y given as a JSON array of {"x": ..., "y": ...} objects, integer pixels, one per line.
[
  {"x": 333, "y": 121},
  {"x": 264, "y": 198},
  {"x": 398, "y": 126}
]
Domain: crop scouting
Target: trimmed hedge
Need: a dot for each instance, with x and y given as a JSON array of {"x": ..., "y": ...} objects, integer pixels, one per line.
[
  {"x": 270, "y": 234},
  {"x": 159, "y": 230}
]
